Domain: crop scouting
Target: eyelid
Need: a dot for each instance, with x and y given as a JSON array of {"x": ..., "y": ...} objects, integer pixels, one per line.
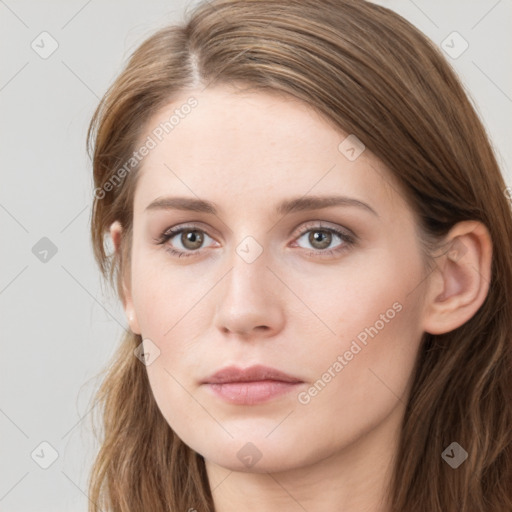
[
  {"x": 173, "y": 231},
  {"x": 321, "y": 224}
]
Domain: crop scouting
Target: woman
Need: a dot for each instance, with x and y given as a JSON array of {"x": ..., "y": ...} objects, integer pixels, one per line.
[{"x": 311, "y": 241}]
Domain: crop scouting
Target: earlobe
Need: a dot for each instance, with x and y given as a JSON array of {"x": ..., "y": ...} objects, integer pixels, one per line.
[
  {"x": 132, "y": 318},
  {"x": 460, "y": 283},
  {"x": 130, "y": 312},
  {"x": 116, "y": 234}
]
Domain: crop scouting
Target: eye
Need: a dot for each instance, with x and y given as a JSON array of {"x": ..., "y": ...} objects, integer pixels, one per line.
[
  {"x": 321, "y": 237},
  {"x": 191, "y": 239}
]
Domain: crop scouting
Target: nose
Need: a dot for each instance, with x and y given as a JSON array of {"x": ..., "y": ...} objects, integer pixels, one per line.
[{"x": 251, "y": 299}]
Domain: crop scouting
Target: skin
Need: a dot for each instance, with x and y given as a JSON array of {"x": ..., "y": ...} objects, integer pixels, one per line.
[{"x": 290, "y": 308}]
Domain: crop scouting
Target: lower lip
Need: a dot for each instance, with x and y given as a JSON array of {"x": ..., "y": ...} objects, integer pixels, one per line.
[{"x": 249, "y": 393}]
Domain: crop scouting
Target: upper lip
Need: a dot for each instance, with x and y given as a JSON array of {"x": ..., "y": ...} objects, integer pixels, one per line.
[{"x": 250, "y": 374}]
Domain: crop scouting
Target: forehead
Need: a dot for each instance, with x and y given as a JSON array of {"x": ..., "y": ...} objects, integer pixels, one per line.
[{"x": 256, "y": 145}]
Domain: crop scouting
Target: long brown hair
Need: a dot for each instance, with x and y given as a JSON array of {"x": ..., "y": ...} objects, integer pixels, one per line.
[{"x": 371, "y": 73}]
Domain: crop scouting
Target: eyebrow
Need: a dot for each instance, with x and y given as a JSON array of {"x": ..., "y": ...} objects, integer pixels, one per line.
[{"x": 297, "y": 204}]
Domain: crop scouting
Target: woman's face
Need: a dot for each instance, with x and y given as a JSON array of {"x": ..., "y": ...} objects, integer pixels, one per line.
[{"x": 262, "y": 278}]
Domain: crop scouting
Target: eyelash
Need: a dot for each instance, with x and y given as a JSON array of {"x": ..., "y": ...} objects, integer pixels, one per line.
[{"x": 348, "y": 240}]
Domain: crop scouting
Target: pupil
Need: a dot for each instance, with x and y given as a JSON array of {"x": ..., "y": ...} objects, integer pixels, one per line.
[
  {"x": 194, "y": 238},
  {"x": 321, "y": 237}
]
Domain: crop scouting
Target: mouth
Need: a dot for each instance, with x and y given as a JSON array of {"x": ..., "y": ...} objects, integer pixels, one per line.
[{"x": 250, "y": 386}]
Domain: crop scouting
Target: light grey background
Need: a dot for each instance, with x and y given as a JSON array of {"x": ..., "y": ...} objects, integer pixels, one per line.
[{"x": 59, "y": 325}]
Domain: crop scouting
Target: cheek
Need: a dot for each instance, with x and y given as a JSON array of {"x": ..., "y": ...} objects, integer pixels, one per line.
[
  {"x": 357, "y": 385},
  {"x": 182, "y": 412},
  {"x": 166, "y": 298},
  {"x": 365, "y": 371}
]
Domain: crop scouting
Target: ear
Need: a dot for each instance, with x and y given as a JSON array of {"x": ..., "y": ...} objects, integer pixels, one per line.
[
  {"x": 116, "y": 234},
  {"x": 460, "y": 282}
]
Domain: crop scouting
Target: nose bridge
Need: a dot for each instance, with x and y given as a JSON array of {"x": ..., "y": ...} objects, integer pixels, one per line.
[
  {"x": 249, "y": 272},
  {"x": 248, "y": 297}
]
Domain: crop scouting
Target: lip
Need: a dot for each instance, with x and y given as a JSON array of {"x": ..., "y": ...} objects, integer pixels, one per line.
[
  {"x": 249, "y": 386},
  {"x": 251, "y": 374}
]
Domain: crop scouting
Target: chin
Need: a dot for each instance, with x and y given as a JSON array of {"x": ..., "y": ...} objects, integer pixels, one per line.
[
  {"x": 258, "y": 454},
  {"x": 266, "y": 464}
]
